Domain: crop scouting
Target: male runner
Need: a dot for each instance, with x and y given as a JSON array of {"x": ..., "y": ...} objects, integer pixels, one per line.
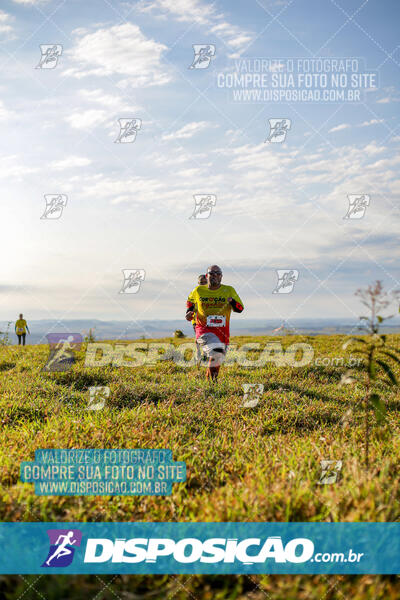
[
  {"x": 21, "y": 327},
  {"x": 213, "y": 305}
]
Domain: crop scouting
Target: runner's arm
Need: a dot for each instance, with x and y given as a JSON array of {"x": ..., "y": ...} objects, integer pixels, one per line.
[
  {"x": 27, "y": 328},
  {"x": 190, "y": 306},
  {"x": 235, "y": 302},
  {"x": 236, "y": 306}
]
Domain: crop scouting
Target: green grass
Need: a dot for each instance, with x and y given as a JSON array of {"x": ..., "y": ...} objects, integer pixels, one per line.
[{"x": 258, "y": 464}]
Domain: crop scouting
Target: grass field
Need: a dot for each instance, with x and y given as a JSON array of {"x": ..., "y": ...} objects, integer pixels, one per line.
[{"x": 243, "y": 464}]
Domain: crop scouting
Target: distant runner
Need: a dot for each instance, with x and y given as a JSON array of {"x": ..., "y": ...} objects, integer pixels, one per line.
[
  {"x": 201, "y": 280},
  {"x": 21, "y": 327},
  {"x": 212, "y": 307}
]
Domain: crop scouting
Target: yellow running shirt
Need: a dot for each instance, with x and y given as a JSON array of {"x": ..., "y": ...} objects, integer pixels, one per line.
[
  {"x": 20, "y": 326},
  {"x": 193, "y": 321},
  {"x": 213, "y": 310}
]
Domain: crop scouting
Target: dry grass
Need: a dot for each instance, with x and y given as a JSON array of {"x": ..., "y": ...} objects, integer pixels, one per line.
[{"x": 259, "y": 464}]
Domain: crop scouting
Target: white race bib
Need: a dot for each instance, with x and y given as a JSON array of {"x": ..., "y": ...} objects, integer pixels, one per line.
[
  {"x": 216, "y": 321},
  {"x": 20, "y": 330}
]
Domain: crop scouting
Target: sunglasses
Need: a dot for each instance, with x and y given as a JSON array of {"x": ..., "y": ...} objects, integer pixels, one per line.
[{"x": 214, "y": 272}]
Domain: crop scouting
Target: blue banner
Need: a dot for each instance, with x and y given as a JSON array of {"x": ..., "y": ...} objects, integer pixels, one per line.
[
  {"x": 113, "y": 472},
  {"x": 191, "y": 548}
]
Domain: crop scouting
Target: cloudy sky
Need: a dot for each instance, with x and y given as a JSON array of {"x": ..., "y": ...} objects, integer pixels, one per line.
[{"x": 278, "y": 205}]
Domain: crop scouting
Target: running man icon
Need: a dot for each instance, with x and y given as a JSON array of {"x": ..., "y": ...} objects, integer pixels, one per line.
[
  {"x": 62, "y": 547},
  {"x": 62, "y": 348}
]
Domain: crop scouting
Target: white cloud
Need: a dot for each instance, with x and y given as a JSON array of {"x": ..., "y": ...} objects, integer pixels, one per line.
[
  {"x": 372, "y": 122},
  {"x": 384, "y": 163},
  {"x": 259, "y": 188},
  {"x": 201, "y": 14},
  {"x": 233, "y": 36},
  {"x": 257, "y": 180},
  {"x": 5, "y": 27},
  {"x": 30, "y": 2},
  {"x": 104, "y": 110},
  {"x": 87, "y": 118},
  {"x": 13, "y": 166},
  {"x": 291, "y": 177},
  {"x": 123, "y": 190},
  {"x": 189, "y": 173},
  {"x": 372, "y": 149},
  {"x": 187, "y": 131},
  {"x": 121, "y": 50},
  {"x": 387, "y": 100},
  {"x": 5, "y": 113},
  {"x": 115, "y": 103},
  {"x": 339, "y": 127},
  {"x": 175, "y": 156},
  {"x": 194, "y": 11},
  {"x": 70, "y": 163},
  {"x": 393, "y": 95}
]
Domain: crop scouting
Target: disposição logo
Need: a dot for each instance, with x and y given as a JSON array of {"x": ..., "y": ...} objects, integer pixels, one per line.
[{"x": 62, "y": 547}]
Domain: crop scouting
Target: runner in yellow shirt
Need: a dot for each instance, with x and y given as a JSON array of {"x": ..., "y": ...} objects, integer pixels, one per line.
[
  {"x": 211, "y": 307},
  {"x": 21, "y": 327}
]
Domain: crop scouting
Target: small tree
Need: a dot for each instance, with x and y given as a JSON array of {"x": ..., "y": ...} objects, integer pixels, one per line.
[
  {"x": 5, "y": 336},
  {"x": 90, "y": 336},
  {"x": 179, "y": 334},
  {"x": 377, "y": 355}
]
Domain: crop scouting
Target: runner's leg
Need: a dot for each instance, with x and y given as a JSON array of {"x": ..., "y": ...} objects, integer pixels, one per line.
[
  {"x": 215, "y": 352},
  {"x": 198, "y": 354}
]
